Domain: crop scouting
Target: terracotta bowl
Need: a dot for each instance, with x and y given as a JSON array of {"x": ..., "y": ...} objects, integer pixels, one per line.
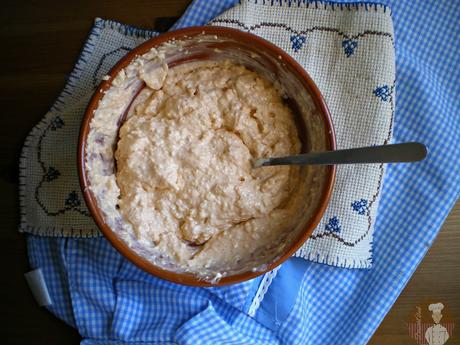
[{"x": 259, "y": 55}]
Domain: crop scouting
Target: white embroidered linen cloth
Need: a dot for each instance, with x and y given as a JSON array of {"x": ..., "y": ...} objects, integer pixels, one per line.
[{"x": 347, "y": 50}]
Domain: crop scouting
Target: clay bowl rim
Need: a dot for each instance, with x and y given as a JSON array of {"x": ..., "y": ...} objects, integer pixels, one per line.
[{"x": 188, "y": 278}]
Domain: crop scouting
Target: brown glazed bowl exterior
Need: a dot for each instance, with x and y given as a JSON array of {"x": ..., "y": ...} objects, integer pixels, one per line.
[{"x": 240, "y": 36}]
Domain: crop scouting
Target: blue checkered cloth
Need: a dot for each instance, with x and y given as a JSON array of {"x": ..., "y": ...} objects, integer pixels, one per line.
[{"x": 110, "y": 301}]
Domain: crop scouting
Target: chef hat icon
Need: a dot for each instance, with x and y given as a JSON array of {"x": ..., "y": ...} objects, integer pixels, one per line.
[{"x": 436, "y": 308}]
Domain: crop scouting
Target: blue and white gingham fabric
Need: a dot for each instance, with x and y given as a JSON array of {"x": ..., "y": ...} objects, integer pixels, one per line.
[{"x": 112, "y": 302}]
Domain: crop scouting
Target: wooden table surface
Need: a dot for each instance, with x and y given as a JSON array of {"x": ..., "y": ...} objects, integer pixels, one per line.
[{"x": 41, "y": 40}]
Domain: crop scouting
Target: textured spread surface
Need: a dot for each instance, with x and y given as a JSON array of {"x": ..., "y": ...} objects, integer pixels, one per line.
[{"x": 184, "y": 165}]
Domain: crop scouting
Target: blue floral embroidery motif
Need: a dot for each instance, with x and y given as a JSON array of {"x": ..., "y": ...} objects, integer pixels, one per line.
[
  {"x": 73, "y": 200},
  {"x": 383, "y": 92},
  {"x": 360, "y": 206},
  {"x": 298, "y": 41},
  {"x": 349, "y": 47},
  {"x": 52, "y": 174},
  {"x": 333, "y": 225},
  {"x": 56, "y": 123}
]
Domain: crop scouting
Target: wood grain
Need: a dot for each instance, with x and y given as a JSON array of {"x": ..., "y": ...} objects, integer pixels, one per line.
[
  {"x": 41, "y": 41},
  {"x": 437, "y": 278}
]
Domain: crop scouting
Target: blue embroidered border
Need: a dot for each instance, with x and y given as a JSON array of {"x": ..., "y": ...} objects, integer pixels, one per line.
[
  {"x": 325, "y": 4},
  {"x": 306, "y": 31}
]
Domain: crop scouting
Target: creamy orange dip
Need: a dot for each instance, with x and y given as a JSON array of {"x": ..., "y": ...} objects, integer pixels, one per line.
[
  {"x": 184, "y": 193},
  {"x": 184, "y": 164}
]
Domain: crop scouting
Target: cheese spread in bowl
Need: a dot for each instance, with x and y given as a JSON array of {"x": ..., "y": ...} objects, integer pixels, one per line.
[{"x": 168, "y": 151}]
